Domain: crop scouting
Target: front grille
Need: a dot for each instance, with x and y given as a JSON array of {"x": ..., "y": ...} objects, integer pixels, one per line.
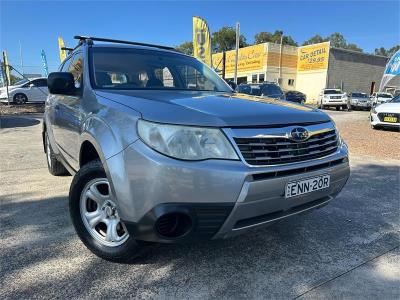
[
  {"x": 382, "y": 116},
  {"x": 275, "y": 151}
]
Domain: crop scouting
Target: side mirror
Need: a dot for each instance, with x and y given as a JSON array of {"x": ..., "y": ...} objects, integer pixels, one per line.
[
  {"x": 61, "y": 83},
  {"x": 31, "y": 85},
  {"x": 232, "y": 84}
]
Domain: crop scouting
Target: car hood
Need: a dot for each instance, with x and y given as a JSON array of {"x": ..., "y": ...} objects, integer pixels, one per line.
[
  {"x": 213, "y": 109},
  {"x": 388, "y": 107}
]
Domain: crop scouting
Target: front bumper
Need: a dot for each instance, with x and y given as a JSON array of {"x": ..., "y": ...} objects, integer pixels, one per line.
[
  {"x": 375, "y": 121},
  {"x": 223, "y": 198}
]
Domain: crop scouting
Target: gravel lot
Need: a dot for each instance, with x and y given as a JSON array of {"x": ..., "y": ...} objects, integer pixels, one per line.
[{"x": 348, "y": 249}]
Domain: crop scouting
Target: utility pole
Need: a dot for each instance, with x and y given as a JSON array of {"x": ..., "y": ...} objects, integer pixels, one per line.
[
  {"x": 20, "y": 55},
  {"x": 280, "y": 58},
  {"x": 223, "y": 64},
  {"x": 237, "y": 50}
]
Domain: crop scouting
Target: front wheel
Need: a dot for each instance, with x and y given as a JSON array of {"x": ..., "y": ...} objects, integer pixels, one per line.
[
  {"x": 20, "y": 98},
  {"x": 96, "y": 218},
  {"x": 337, "y": 107}
]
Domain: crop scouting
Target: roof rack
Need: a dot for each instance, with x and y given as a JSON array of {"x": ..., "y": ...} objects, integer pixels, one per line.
[{"x": 88, "y": 39}]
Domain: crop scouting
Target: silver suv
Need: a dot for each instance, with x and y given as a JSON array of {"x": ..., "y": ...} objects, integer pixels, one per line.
[{"x": 163, "y": 150}]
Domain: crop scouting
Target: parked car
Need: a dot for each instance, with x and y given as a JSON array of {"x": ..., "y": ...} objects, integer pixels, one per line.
[
  {"x": 295, "y": 96},
  {"x": 357, "y": 100},
  {"x": 163, "y": 150},
  {"x": 332, "y": 98},
  {"x": 268, "y": 90},
  {"x": 33, "y": 90},
  {"x": 386, "y": 114},
  {"x": 379, "y": 98}
]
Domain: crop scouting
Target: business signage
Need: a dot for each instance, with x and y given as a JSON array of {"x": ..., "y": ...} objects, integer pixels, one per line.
[
  {"x": 251, "y": 58},
  {"x": 313, "y": 57}
]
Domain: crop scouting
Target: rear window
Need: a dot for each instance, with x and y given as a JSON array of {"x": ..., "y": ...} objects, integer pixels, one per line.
[
  {"x": 329, "y": 92},
  {"x": 359, "y": 95},
  {"x": 384, "y": 96},
  {"x": 254, "y": 90},
  {"x": 272, "y": 90}
]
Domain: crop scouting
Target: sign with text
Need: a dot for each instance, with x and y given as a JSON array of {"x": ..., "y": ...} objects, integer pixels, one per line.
[
  {"x": 313, "y": 57},
  {"x": 251, "y": 58}
]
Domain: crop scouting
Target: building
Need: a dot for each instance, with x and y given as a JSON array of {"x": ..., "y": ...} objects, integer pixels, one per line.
[{"x": 308, "y": 69}]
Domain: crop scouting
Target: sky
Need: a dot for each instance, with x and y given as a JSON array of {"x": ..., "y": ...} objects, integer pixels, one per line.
[{"x": 37, "y": 24}]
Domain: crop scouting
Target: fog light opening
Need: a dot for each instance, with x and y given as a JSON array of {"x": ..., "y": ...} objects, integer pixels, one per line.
[{"x": 173, "y": 225}]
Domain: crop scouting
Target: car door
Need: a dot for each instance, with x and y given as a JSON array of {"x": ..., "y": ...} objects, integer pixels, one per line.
[
  {"x": 68, "y": 114},
  {"x": 38, "y": 90}
]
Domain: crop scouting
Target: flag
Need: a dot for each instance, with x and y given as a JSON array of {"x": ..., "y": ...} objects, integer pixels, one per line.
[
  {"x": 6, "y": 67},
  {"x": 44, "y": 61},
  {"x": 63, "y": 53},
  {"x": 392, "y": 70},
  {"x": 201, "y": 41}
]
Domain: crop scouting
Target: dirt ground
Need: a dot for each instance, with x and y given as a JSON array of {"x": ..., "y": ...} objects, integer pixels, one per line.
[
  {"x": 11, "y": 109},
  {"x": 355, "y": 129}
]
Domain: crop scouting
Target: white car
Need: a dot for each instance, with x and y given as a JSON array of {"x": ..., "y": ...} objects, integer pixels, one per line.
[
  {"x": 358, "y": 100},
  {"x": 332, "y": 98},
  {"x": 387, "y": 114},
  {"x": 379, "y": 98},
  {"x": 33, "y": 90}
]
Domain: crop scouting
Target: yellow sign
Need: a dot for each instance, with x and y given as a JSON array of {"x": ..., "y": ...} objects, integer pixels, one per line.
[
  {"x": 313, "y": 57},
  {"x": 7, "y": 68},
  {"x": 63, "y": 53},
  {"x": 250, "y": 58},
  {"x": 201, "y": 41}
]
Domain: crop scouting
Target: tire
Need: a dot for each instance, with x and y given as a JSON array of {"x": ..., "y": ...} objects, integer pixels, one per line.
[
  {"x": 344, "y": 107},
  {"x": 337, "y": 107},
  {"x": 55, "y": 167},
  {"x": 20, "y": 98},
  {"x": 374, "y": 127},
  {"x": 117, "y": 246}
]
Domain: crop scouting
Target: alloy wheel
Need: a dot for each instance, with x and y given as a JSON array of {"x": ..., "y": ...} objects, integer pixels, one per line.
[{"x": 99, "y": 214}]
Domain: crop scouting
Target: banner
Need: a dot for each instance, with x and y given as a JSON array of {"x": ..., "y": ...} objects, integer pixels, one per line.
[
  {"x": 392, "y": 70},
  {"x": 63, "y": 53},
  {"x": 6, "y": 67},
  {"x": 44, "y": 61},
  {"x": 251, "y": 58},
  {"x": 313, "y": 57},
  {"x": 201, "y": 41}
]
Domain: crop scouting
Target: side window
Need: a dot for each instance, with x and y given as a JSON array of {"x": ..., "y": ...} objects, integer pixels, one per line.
[
  {"x": 65, "y": 66},
  {"x": 76, "y": 68},
  {"x": 40, "y": 82}
]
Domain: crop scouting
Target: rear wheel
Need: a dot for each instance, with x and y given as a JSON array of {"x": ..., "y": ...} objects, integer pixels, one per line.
[
  {"x": 20, "y": 98},
  {"x": 337, "y": 107},
  {"x": 95, "y": 216},
  {"x": 55, "y": 167}
]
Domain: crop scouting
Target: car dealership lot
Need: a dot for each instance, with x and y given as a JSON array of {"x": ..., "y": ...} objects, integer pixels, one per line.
[{"x": 349, "y": 248}]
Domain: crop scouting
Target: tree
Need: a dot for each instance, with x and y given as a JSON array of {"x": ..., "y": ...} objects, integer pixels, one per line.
[
  {"x": 186, "y": 47},
  {"x": 265, "y": 37},
  {"x": 337, "y": 40},
  {"x": 225, "y": 39},
  {"x": 314, "y": 40},
  {"x": 387, "y": 52}
]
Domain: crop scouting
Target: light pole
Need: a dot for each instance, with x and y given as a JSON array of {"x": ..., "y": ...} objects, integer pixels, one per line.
[{"x": 237, "y": 50}]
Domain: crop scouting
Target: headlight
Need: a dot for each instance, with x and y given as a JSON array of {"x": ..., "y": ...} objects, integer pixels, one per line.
[{"x": 186, "y": 142}]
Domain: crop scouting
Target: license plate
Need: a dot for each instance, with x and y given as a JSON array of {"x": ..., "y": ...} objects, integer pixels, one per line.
[
  {"x": 304, "y": 186},
  {"x": 390, "y": 119}
]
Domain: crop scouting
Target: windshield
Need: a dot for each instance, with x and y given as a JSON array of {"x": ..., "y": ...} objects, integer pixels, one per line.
[
  {"x": 22, "y": 81},
  {"x": 396, "y": 99},
  {"x": 326, "y": 92},
  {"x": 142, "y": 69},
  {"x": 359, "y": 95},
  {"x": 384, "y": 96}
]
